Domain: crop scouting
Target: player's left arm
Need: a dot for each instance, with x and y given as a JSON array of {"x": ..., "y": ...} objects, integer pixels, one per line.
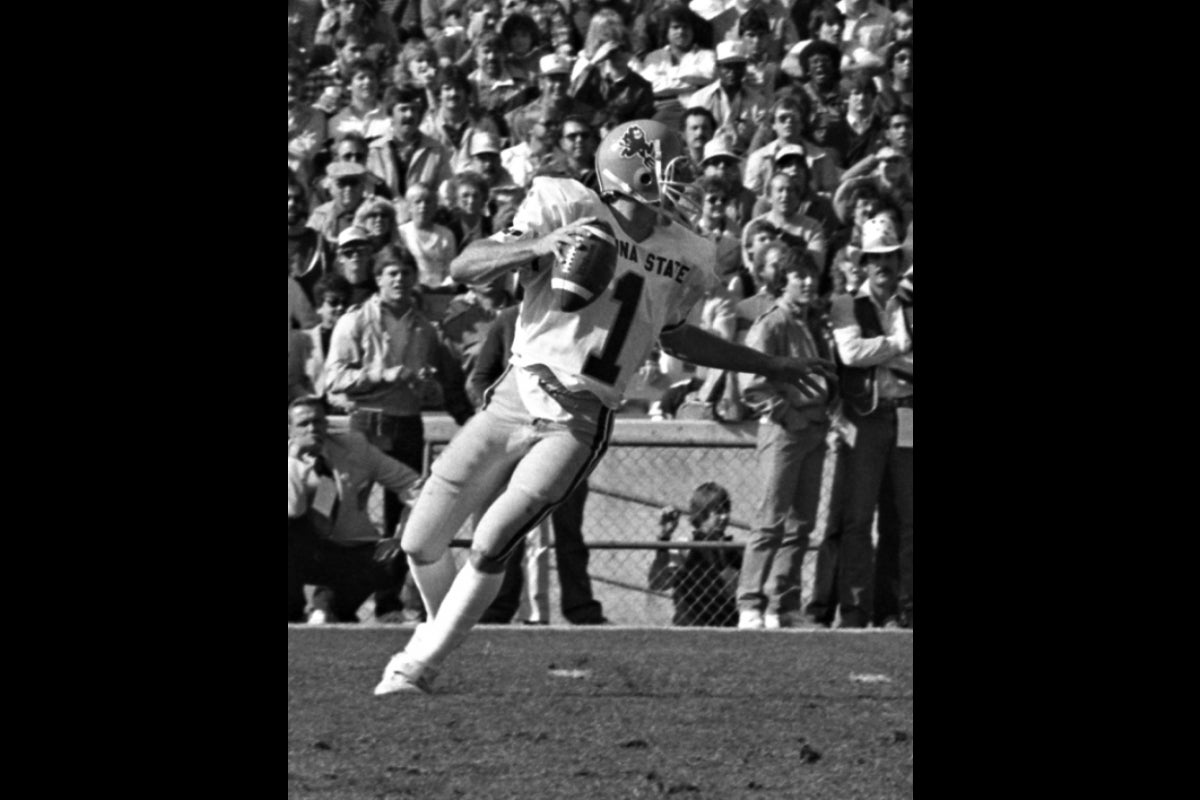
[{"x": 689, "y": 343}]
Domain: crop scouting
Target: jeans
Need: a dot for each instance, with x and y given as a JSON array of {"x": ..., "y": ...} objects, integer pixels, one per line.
[
  {"x": 828, "y": 588},
  {"x": 874, "y": 459},
  {"x": 790, "y": 466}
]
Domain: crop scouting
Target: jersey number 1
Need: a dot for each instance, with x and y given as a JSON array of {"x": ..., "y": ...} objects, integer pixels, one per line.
[{"x": 604, "y": 367}]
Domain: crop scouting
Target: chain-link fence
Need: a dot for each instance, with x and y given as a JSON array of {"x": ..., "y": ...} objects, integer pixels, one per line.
[{"x": 652, "y": 465}]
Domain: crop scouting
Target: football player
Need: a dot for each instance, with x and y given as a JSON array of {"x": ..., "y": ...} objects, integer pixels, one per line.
[{"x": 545, "y": 423}]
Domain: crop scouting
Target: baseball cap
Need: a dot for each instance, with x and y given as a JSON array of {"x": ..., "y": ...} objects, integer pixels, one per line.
[
  {"x": 718, "y": 147},
  {"x": 555, "y": 64},
  {"x": 345, "y": 169},
  {"x": 484, "y": 142},
  {"x": 879, "y": 236},
  {"x": 790, "y": 150},
  {"x": 731, "y": 51},
  {"x": 352, "y": 235}
]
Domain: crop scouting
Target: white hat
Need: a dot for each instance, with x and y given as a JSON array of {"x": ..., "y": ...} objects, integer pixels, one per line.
[
  {"x": 484, "y": 142},
  {"x": 790, "y": 150},
  {"x": 555, "y": 64},
  {"x": 879, "y": 236},
  {"x": 731, "y": 51},
  {"x": 351, "y": 235},
  {"x": 718, "y": 147}
]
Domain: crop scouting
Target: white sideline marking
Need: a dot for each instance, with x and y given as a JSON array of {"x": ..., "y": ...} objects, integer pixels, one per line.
[{"x": 600, "y": 628}]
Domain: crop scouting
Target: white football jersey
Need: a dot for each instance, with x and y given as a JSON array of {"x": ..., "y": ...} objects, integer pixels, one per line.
[{"x": 600, "y": 348}]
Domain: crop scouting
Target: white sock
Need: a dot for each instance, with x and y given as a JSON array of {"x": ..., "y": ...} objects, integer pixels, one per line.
[
  {"x": 473, "y": 591},
  {"x": 433, "y": 581}
]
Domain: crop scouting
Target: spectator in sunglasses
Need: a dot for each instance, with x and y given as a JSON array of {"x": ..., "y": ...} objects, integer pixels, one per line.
[
  {"x": 354, "y": 263},
  {"x": 351, "y": 148},
  {"x": 348, "y": 181},
  {"x": 377, "y": 217}
]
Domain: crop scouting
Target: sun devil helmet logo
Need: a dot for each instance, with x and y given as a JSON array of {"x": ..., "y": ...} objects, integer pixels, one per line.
[{"x": 634, "y": 144}]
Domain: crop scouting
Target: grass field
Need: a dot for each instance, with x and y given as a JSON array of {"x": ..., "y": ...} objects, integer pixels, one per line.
[{"x": 599, "y": 713}]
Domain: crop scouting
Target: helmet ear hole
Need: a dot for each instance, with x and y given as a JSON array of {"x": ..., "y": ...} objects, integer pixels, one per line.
[{"x": 644, "y": 178}]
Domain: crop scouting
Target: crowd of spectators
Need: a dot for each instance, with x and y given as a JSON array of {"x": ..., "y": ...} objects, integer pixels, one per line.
[{"x": 415, "y": 127}]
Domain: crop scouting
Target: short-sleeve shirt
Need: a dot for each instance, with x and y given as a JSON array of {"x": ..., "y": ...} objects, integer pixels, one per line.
[{"x": 599, "y": 348}]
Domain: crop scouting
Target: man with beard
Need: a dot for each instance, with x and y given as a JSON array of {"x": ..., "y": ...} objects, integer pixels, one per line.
[
  {"x": 408, "y": 156},
  {"x": 875, "y": 342},
  {"x": 699, "y": 128}
]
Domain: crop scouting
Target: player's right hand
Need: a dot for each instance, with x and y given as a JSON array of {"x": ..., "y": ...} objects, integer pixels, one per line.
[{"x": 560, "y": 241}]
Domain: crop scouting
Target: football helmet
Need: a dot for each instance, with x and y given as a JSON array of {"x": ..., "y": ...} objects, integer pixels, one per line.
[{"x": 640, "y": 159}]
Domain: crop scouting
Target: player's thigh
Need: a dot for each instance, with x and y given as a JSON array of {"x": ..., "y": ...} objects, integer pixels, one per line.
[
  {"x": 557, "y": 463},
  {"x": 543, "y": 478}
]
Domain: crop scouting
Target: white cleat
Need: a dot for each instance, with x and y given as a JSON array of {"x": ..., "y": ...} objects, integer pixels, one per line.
[{"x": 405, "y": 674}]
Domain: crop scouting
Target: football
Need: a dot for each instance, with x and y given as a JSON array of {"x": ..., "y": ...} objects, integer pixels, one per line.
[{"x": 587, "y": 269}]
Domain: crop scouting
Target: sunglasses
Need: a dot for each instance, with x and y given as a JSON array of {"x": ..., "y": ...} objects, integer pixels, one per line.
[{"x": 344, "y": 183}]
